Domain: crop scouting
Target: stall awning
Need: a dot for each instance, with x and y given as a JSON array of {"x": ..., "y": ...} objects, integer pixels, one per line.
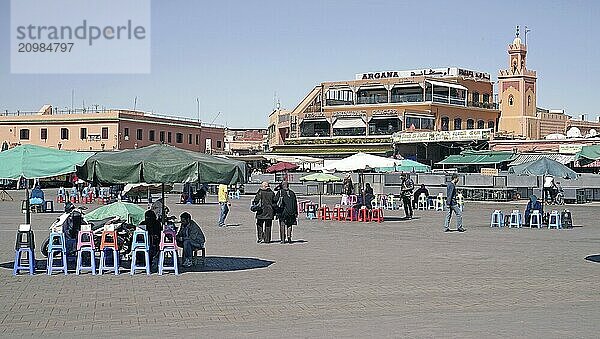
[
  {"x": 408, "y": 85},
  {"x": 523, "y": 158},
  {"x": 588, "y": 154},
  {"x": 446, "y": 84},
  {"x": 478, "y": 158},
  {"x": 349, "y": 123}
]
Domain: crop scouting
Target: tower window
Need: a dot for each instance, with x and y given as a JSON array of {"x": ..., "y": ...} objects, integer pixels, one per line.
[
  {"x": 529, "y": 100},
  {"x": 511, "y": 100}
]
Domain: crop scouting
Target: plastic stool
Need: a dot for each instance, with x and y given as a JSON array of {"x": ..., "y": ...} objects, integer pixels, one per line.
[
  {"x": 344, "y": 201},
  {"x": 497, "y": 219},
  {"x": 324, "y": 213},
  {"x": 352, "y": 199},
  {"x": 377, "y": 215},
  {"x": 311, "y": 211},
  {"x": 338, "y": 213},
  {"x": 85, "y": 244},
  {"x": 460, "y": 201},
  {"x": 535, "y": 219},
  {"x": 161, "y": 262},
  {"x": 140, "y": 244},
  {"x": 25, "y": 244},
  {"x": 363, "y": 214},
  {"x": 422, "y": 202},
  {"x": 554, "y": 220},
  {"x": 439, "y": 202},
  {"x": 515, "y": 219},
  {"x": 109, "y": 242},
  {"x": 351, "y": 214},
  {"x": 56, "y": 244}
]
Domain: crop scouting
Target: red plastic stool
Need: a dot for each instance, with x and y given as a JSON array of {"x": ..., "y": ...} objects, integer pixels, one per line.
[
  {"x": 377, "y": 215},
  {"x": 363, "y": 214},
  {"x": 324, "y": 213},
  {"x": 109, "y": 240},
  {"x": 351, "y": 214},
  {"x": 339, "y": 213}
]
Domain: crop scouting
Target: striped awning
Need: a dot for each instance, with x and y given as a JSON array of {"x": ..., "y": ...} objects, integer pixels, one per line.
[{"x": 524, "y": 157}]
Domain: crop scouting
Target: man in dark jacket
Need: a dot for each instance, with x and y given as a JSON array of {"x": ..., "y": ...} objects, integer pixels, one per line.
[
  {"x": 452, "y": 205},
  {"x": 406, "y": 190},
  {"x": 190, "y": 237},
  {"x": 287, "y": 212},
  {"x": 153, "y": 228},
  {"x": 264, "y": 217}
]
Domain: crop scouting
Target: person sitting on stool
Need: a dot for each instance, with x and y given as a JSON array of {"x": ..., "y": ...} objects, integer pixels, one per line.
[{"x": 190, "y": 237}]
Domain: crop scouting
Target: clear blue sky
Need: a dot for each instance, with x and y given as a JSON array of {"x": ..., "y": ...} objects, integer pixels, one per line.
[{"x": 235, "y": 54}]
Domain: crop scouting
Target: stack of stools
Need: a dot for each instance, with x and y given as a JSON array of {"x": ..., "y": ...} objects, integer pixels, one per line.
[
  {"x": 25, "y": 245},
  {"x": 554, "y": 220},
  {"x": 56, "y": 244},
  {"x": 109, "y": 242},
  {"x": 515, "y": 219},
  {"x": 168, "y": 245},
  {"x": 324, "y": 213},
  {"x": 311, "y": 211},
  {"x": 140, "y": 244},
  {"x": 363, "y": 214},
  {"x": 535, "y": 219},
  {"x": 339, "y": 213},
  {"x": 377, "y": 214},
  {"x": 85, "y": 244},
  {"x": 422, "y": 202},
  {"x": 497, "y": 219}
]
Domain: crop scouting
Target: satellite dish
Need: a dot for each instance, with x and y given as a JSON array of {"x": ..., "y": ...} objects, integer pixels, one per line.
[
  {"x": 593, "y": 133},
  {"x": 574, "y": 132}
]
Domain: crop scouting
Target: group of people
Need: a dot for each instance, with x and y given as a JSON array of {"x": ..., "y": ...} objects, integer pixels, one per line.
[{"x": 281, "y": 204}]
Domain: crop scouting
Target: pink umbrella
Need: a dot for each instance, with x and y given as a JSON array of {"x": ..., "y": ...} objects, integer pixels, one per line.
[{"x": 281, "y": 167}]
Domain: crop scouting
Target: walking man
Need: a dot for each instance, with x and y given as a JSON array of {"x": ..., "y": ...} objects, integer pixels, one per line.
[
  {"x": 453, "y": 205},
  {"x": 407, "y": 186},
  {"x": 223, "y": 204},
  {"x": 287, "y": 212}
]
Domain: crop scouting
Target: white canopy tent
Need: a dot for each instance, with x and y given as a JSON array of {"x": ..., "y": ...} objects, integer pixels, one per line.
[{"x": 360, "y": 162}]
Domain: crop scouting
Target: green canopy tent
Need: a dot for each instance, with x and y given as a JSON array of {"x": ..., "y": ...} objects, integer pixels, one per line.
[
  {"x": 126, "y": 211},
  {"x": 588, "y": 154},
  {"x": 322, "y": 178},
  {"x": 161, "y": 164},
  {"x": 35, "y": 162},
  {"x": 406, "y": 165}
]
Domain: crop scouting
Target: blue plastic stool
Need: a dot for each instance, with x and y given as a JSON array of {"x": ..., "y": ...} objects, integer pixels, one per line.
[
  {"x": 311, "y": 211},
  {"x": 161, "y": 261},
  {"x": 115, "y": 261},
  {"x": 497, "y": 219},
  {"x": 554, "y": 220},
  {"x": 140, "y": 244},
  {"x": 56, "y": 244},
  {"x": 80, "y": 266},
  {"x": 25, "y": 244}
]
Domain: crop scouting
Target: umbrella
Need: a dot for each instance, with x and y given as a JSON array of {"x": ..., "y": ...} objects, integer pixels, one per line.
[
  {"x": 161, "y": 164},
  {"x": 281, "y": 167},
  {"x": 320, "y": 177},
  {"x": 361, "y": 161},
  {"x": 124, "y": 210},
  {"x": 543, "y": 167},
  {"x": 34, "y": 162}
]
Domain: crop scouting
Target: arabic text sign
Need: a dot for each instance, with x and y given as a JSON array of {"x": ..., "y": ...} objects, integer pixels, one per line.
[{"x": 435, "y": 136}]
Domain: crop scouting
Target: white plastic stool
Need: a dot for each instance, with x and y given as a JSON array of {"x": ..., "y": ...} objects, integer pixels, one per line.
[
  {"x": 515, "y": 219},
  {"x": 344, "y": 201},
  {"x": 439, "y": 202},
  {"x": 422, "y": 202},
  {"x": 497, "y": 219},
  {"x": 460, "y": 201},
  {"x": 554, "y": 220},
  {"x": 535, "y": 219}
]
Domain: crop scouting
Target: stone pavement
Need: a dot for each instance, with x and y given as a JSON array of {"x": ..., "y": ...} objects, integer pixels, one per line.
[{"x": 395, "y": 279}]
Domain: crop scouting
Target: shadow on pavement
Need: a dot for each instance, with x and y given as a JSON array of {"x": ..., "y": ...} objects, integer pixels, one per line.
[
  {"x": 212, "y": 264},
  {"x": 594, "y": 258}
]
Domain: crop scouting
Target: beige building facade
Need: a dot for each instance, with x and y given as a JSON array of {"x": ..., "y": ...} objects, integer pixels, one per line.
[{"x": 103, "y": 130}]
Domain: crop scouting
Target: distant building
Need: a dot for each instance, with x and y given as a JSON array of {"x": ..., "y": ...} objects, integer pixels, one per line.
[
  {"x": 241, "y": 141},
  {"x": 107, "y": 129},
  {"x": 280, "y": 124}
]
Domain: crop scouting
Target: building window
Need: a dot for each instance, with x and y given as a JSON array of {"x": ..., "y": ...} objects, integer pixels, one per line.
[
  {"x": 511, "y": 100},
  {"x": 126, "y": 133},
  {"x": 197, "y": 139},
  {"x": 475, "y": 97},
  {"x": 151, "y": 135},
  {"x": 486, "y": 98},
  {"x": 64, "y": 134},
  {"x": 529, "y": 100},
  {"x": 24, "y": 134},
  {"x": 169, "y": 139},
  {"x": 480, "y": 124},
  {"x": 139, "y": 134},
  {"x": 179, "y": 138},
  {"x": 104, "y": 133},
  {"x": 445, "y": 123},
  {"x": 83, "y": 133},
  {"x": 162, "y": 136},
  {"x": 419, "y": 122},
  {"x": 470, "y": 124},
  {"x": 384, "y": 126},
  {"x": 457, "y": 124},
  {"x": 491, "y": 124},
  {"x": 44, "y": 134},
  {"x": 219, "y": 144},
  {"x": 190, "y": 138}
]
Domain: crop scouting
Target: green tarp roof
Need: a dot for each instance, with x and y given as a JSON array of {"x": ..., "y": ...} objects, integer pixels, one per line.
[
  {"x": 33, "y": 162},
  {"x": 161, "y": 164},
  {"x": 478, "y": 158},
  {"x": 588, "y": 154},
  {"x": 406, "y": 165}
]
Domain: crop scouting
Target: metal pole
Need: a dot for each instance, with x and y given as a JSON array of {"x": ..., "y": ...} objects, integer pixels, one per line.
[
  {"x": 28, "y": 212},
  {"x": 163, "y": 205}
]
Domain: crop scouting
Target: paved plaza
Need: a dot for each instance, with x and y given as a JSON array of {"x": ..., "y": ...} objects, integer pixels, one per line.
[{"x": 395, "y": 279}]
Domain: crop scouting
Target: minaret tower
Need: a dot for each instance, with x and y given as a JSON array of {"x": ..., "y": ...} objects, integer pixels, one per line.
[{"x": 517, "y": 91}]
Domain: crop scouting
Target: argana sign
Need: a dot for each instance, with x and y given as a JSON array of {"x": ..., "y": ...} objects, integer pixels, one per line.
[{"x": 435, "y": 136}]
